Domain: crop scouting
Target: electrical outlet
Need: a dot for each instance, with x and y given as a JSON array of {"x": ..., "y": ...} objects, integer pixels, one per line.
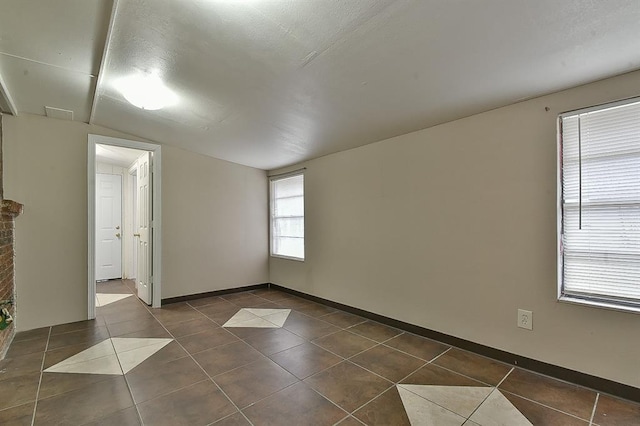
[{"x": 525, "y": 319}]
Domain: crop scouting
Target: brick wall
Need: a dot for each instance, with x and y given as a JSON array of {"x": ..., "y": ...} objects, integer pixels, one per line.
[
  {"x": 9, "y": 210},
  {"x": 1, "y": 185},
  {"x": 6, "y": 262},
  {"x": 6, "y": 275}
]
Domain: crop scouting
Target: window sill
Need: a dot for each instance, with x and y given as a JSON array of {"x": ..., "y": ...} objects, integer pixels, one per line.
[
  {"x": 297, "y": 259},
  {"x": 610, "y": 305}
]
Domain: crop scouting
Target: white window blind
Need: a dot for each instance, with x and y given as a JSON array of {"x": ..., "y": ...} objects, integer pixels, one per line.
[
  {"x": 287, "y": 216},
  {"x": 600, "y": 229}
]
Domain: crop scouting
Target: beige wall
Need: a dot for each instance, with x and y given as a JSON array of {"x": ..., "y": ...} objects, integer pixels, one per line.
[
  {"x": 215, "y": 223},
  {"x": 453, "y": 228}
]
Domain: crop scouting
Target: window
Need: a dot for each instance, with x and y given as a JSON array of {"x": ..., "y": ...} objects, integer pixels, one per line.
[
  {"x": 287, "y": 217},
  {"x": 599, "y": 206}
]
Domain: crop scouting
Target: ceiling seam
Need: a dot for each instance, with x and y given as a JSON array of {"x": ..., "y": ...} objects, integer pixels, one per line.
[
  {"x": 4, "y": 93},
  {"x": 316, "y": 54},
  {"x": 47, "y": 64},
  {"x": 103, "y": 61}
]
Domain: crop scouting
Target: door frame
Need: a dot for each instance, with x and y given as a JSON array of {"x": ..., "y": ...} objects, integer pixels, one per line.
[
  {"x": 156, "y": 168},
  {"x": 133, "y": 180}
]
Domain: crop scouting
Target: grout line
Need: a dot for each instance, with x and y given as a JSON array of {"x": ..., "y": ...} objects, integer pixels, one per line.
[
  {"x": 413, "y": 372},
  {"x": 327, "y": 399},
  {"x": 374, "y": 398},
  {"x": 344, "y": 327},
  {"x": 278, "y": 352},
  {"x": 76, "y": 331},
  {"x": 372, "y": 372},
  {"x": 495, "y": 389},
  {"x": 393, "y": 337},
  {"x": 287, "y": 387},
  {"x": 271, "y": 394},
  {"x": 463, "y": 375},
  {"x": 203, "y": 370},
  {"x": 377, "y": 343},
  {"x": 505, "y": 377},
  {"x": 44, "y": 356},
  {"x": 442, "y": 406},
  {"x": 543, "y": 405},
  {"x": 234, "y": 368},
  {"x": 201, "y": 331},
  {"x": 175, "y": 390},
  {"x": 351, "y": 416},
  {"x": 342, "y": 359},
  {"x": 357, "y": 335},
  {"x": 460, "y": 374},
  {"x": 298, "y": 380},
  {"x": 219, "y": 302},
  {"x": 393, "y": 384},
  {"x": 593, "y": 412},
  {"x": 124, "y": 376},
  {"x": 317, "y": 338},
  {"x": 221, "y": 419},
  {"x": 328, "y": 350},
  {"x": 412, "y": 355},
  {"x": 310, "y": 375},
  {"x": 438, "y": 356},
  {"x": 555, "y": 379}
]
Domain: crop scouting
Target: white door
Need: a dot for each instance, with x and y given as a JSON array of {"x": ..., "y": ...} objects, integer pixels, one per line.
[
  {"x": 144, "y": 234},
  {"x": 108, "y": 221}
]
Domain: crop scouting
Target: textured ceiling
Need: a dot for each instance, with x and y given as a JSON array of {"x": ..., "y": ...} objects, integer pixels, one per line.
[
  {"x": 50, "y": 52},
  {"x": 116, "y": 155},
  {"x": 268, "y": 83}
]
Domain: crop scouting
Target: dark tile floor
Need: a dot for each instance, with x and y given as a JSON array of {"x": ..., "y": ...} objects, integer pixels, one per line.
[{"x": 265, "y": 357}]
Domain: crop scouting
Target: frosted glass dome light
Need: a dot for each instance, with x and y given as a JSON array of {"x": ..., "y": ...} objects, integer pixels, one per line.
[{"x": 146, "y": 91}]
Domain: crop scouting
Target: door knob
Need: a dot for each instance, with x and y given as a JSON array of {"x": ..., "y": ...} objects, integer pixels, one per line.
[
  {"x": 118, "y": 235},
  {"x": 136, "y": 235},
  {"x": 117, "y": 227}
]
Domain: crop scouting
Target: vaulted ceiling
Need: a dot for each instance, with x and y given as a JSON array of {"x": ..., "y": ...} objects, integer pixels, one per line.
[{"x": 268, "y": 83}]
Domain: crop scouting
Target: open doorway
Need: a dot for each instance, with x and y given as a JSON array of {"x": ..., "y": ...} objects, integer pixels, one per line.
[{"x": 124, "y": 219}]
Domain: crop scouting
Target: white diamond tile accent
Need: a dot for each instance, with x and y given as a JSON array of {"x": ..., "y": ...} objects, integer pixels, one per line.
[
  {"x": 258, "y": 318},
  {"x": 104, "y": 365},
  {"x": 111, "y": 356},
  {"x": 104, "y": 299},
  {"x": 462, "y": 400},
  {"x": 252, "y": 323},
  {"x": 423, "y": 412},
  {"x": 123, "y": 344},
  {"x": 498, "y": 410},
  {"x": 100, "y": 350},
  {"x": 243, "y": 315},
  {"x": 132, "y": 358},
  {"x": 264, "y": 312},
  {"x": 278, "y": 318}
]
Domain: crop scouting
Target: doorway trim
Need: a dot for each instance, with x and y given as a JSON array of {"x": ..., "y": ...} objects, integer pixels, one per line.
[{"x": 156, "y": 167}]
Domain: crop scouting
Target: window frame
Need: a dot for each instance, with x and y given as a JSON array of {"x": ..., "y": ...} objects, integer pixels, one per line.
[
  {"x": 273, "y": 179},
  {"x": 610, "y": 302}
]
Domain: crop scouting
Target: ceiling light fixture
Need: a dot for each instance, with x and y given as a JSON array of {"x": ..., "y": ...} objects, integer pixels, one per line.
[{"x": 146, "y": 91}]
